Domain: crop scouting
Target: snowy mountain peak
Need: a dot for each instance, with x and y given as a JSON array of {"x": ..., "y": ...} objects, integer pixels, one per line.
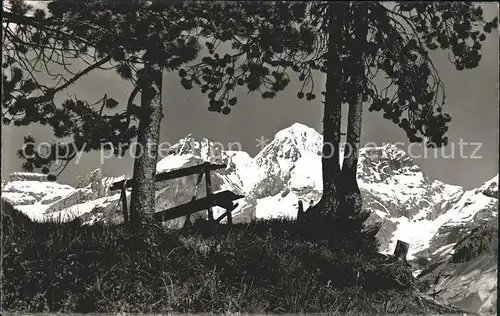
[
  {"x": 388, "y": 152},
  {"x": 297, "y": 130},
  {"x": 204, "y": 149},
  {"x": 290, "y": 143},
  {"x": 489, "y": 188},
  {"x": 378, "y": 163},
  {"x": 297, "y": 145},
  {"x": 299, "y": 135}
]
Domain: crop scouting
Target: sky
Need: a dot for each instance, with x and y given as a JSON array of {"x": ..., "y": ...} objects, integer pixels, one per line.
[{"x": 472, "y": 101}]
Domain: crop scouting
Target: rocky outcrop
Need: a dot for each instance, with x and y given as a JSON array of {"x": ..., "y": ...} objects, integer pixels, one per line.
[
  {"x": 469, "y": 280},
  {"x": 95, "y": 181},
  {"x": 463, "y": 253}
]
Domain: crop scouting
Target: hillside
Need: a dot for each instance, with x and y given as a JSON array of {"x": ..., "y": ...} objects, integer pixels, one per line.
[{"x": 424, "y": 212}]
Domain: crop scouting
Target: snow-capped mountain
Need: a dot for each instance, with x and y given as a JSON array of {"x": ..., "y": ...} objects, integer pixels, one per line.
[
  {"x": 396, "y": 191},
  {"x": 411, "y": 206}
]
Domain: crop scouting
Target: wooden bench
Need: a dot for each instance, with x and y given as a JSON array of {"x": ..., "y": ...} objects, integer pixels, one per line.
[{"x": 223, "y": 199}]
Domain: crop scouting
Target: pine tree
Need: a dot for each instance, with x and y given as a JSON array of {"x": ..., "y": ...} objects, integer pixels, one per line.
[
  {"x": 271, "y": 40},
  {"x": 138, "y": 40}
]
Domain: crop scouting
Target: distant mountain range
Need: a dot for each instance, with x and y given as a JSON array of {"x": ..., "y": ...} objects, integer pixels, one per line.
[{"x": 428, "y": 214}]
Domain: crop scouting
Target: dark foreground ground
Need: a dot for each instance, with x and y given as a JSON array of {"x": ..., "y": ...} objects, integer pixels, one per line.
[{"x": 263, "y": 267}]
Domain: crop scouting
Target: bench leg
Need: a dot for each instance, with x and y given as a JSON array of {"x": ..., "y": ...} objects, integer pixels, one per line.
[
  {"x": 187, "y": 222},
  {"x": 229, "y": 209},
  {"x": 123, "y": 199}
]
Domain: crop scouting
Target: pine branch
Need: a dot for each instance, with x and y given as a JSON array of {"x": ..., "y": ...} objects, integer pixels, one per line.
[
  {"x": 9, "y": 17},
  {"x": 82, "y": 73},
  {"x": 50, "y": 94},
  {"x": 130, "y": 101}
]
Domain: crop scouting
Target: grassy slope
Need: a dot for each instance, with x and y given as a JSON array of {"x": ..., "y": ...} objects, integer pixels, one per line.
[{"x": 262, "y": 267}]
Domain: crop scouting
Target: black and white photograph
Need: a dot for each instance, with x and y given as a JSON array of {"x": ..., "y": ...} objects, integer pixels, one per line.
[{"x": 249, "y": 157}]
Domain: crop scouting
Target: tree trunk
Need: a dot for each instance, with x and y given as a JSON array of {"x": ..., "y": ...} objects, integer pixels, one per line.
[
  {"x": 142, "y": 201},
  {"x": 352, "y": 201},
  {"x": 332, "y": 114}
]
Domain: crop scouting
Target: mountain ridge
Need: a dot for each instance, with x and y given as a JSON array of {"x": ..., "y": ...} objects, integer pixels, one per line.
[
  {"x": 426, "y": 213},
  {"x": 286, "y": 170}
]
